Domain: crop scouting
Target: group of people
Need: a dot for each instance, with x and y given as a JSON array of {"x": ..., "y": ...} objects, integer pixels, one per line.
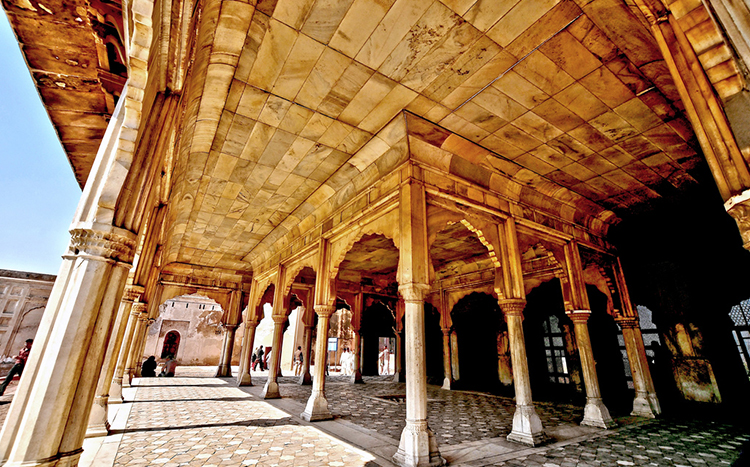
[
  {"x": 148, "y": 368},
  {"x": 347, "y": 361}
]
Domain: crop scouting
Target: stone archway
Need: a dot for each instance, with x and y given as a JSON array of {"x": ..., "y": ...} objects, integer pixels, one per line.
[
  {"x": 477, "y": 320},
  {"x": 378, "y": 322},
  {"x": 171, "y": 345}
]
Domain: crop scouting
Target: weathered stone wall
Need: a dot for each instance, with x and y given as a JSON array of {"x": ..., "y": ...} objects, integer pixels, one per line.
[
  {"x": 23, "y": 297},
  {"x": 197, "y": 319}
]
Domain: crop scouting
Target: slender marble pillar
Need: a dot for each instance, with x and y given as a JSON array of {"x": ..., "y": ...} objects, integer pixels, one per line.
[
  {"x": 357, "y": 375},
  {"x": 317, "y": 405},
  {"x": 305, "y": 378},
  {"x": 98, "y": 423},
  {"x": 645, "y": 404},
  {"x": 448, "y": 376},
  {"x": 129, "y": 372},
  {"x": 225, "y": 362},
  {"x": 527, "y": 426},
  {"x": 115, "y": 391},
  {"x": 595, "y": 413},
  {"x": 47, "y": 420},
  {"x": 271, "y": 389},
  {"x": 244, "y": 378},
  {"x": 418, "y": 446},
  {"x": 454, "y": 356}
]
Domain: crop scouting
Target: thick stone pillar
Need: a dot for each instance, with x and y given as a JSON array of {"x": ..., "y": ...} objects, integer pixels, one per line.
[
  {"x": 47, "y": 420},
  {"x": 317, "y": 405},
  {"x": 448, "y": 375},
  {"x": 225, "y": 362},
  {"x": 645, "y": 404},
  {"x": 454, "y": 356},
  {"x": 244, "y": 378},
  {"x": 98, "y": 423},
  {"x": 271, "y": 389},
  {"x": 527, "y": 426},
  {"x": 399, "y": 375},
  {"x": 115, "y": 391},
  {"x": 595, "y": 413},
  {"x": 357, "y": 350},
  {"x": 129, "y": 372},
  {"x": 140, "y": 344},
  {"x": 306, "y": 378},
  {"x": 418, "y": 446}
]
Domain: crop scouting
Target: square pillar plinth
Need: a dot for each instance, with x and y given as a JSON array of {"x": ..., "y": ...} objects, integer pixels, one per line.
[{"x": 418, "y": 447}]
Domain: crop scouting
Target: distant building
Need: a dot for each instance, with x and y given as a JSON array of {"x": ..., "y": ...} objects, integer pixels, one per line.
[{"x": 23, "y": 297}]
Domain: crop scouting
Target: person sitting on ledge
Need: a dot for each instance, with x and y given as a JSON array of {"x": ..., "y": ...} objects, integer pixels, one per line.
[
  {"x": 148, "y": 369},
  {"x": 169, "y": 366}
]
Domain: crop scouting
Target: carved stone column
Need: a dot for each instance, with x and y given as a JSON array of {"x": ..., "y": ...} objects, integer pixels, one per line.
[
  {"x": 527, "y": 426},
  {"x": 357, "y": 375},
  {"x": 271, "y": 389},
  {"x": 130, "y": 363},
  {"x": 454, "y": 356},
  {"x": 645, "y": 404},
  {"x": 418, "y": 446},
  {"x": 317, "y": 405},
  {"x": 141, "y": 343},
  {"x": 448, "y": 375},
  {"x": 306, "y": 378},
  {"x": 595, "y": 413},
  {"x": 225, "y": 362},
  {"x": 244, "y": 378},
  {"x": 115, "y": 391},
  {"x": 98, "y": 423},
  {"x": 69, "y": 350}
]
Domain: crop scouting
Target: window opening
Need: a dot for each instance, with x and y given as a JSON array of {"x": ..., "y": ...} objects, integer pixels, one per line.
[
  {"x": 740, "y": 315},
  {"x": 554, "y": 350}
]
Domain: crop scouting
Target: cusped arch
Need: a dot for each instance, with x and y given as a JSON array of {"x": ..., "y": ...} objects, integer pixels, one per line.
[
  {"x": 295, "y": 268},
  {"x": 348, "y": 242}
]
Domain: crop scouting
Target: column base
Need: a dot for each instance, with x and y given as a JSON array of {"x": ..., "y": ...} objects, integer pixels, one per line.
[
  {"x": 271, "y": 390},
  {"x": 98, "y": 423},
  {"x": 527, "y": 427},
  {"x": 68, "y": 459},
  {"x": 399, "y": 377},
  {"x": 418, "y": 447},
  {"x": 316, "y": 408},
  {"x": 115, "y": 392},
  {"x": 245, "y": 380},
  {"x": 642, "y": 406},
  {"x": 224, "y": 371},
  {"x": 655, "y": 405},
  {"x": 447, "y": 384},
  {"x": 357, "y": 378},
  {"x": 305, "y": 379},
  {"x": 596, "y": 414}
]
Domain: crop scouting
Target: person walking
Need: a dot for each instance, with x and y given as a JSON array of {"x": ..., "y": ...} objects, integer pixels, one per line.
[
  {"x": 20, "y": 362},
  {"x": 259, "y": 358},
  {"x": 298, "y": 359}
]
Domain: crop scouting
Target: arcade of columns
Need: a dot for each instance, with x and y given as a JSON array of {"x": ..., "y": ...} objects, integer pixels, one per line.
[{"x": 114, "y": 275}]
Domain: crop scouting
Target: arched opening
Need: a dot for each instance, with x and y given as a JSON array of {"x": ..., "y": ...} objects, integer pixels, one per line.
[
  {"x": 554, "y": 365},
  {"x": 433, "y": 344},
  {"x": 171, "y": 345},
  {"x": 477, "y": 320},
  {"x": 607, "y": 355},
  {"x": 379, "y": 339}
]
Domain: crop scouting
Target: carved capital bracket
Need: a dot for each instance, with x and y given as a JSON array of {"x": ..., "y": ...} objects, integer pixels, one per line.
[
  {"x": 280, "y": 319},
  {"x": 628, "y": 322},
  {"x": 512, "y": 306},
  {"x": 132, "y": 293},
  {"x": 414, "y": 292},
  {"x": 324, "y": 311},
  {"x": 118, "y": 246},
  {"x": 579, "y": 316},
  {"x": 739, "y": 208},
  {"x": 138, "y": 309}
]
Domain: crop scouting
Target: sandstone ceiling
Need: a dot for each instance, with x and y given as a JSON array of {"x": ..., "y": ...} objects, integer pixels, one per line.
[{"x": 575, "y": 92}]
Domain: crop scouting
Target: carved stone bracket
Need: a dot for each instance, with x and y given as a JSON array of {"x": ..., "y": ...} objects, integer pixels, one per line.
[
  {"x": 414, "y": 292},
  {"x": 138, "y": 309},
  {"x": 107, "y": 245},
  {"x": 739, "y": 208},
  {"x": 132, "y": 293},
  {"x": 579, "y": 316},
  {"x": 512, "y": 306},
  {"x": 324, "y": 311}
]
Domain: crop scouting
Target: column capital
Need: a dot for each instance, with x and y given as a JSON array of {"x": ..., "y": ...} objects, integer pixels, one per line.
[
  {"x": 138, "y": 308},
  {"x": 324, "y": 311},
  {"x": 116, "y": 245},
  {"x": 739, "y": 208},
  {"x": 229, "y": 326},
  {"x": 279, "y": 319},
  {"x": 628, "y": 322},
  {"x": 132, "y": 293},
  {"x": 414, "y": 292},
  {"x": 578, "y": 316},
  {"x": 512, "y": 306}
]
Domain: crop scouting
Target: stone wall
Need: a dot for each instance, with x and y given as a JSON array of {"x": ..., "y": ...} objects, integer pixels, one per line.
[{"x": 23, "y": 297}]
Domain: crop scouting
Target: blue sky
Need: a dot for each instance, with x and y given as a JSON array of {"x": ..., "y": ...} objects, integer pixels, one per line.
[{"x": 38, "y": 192}]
